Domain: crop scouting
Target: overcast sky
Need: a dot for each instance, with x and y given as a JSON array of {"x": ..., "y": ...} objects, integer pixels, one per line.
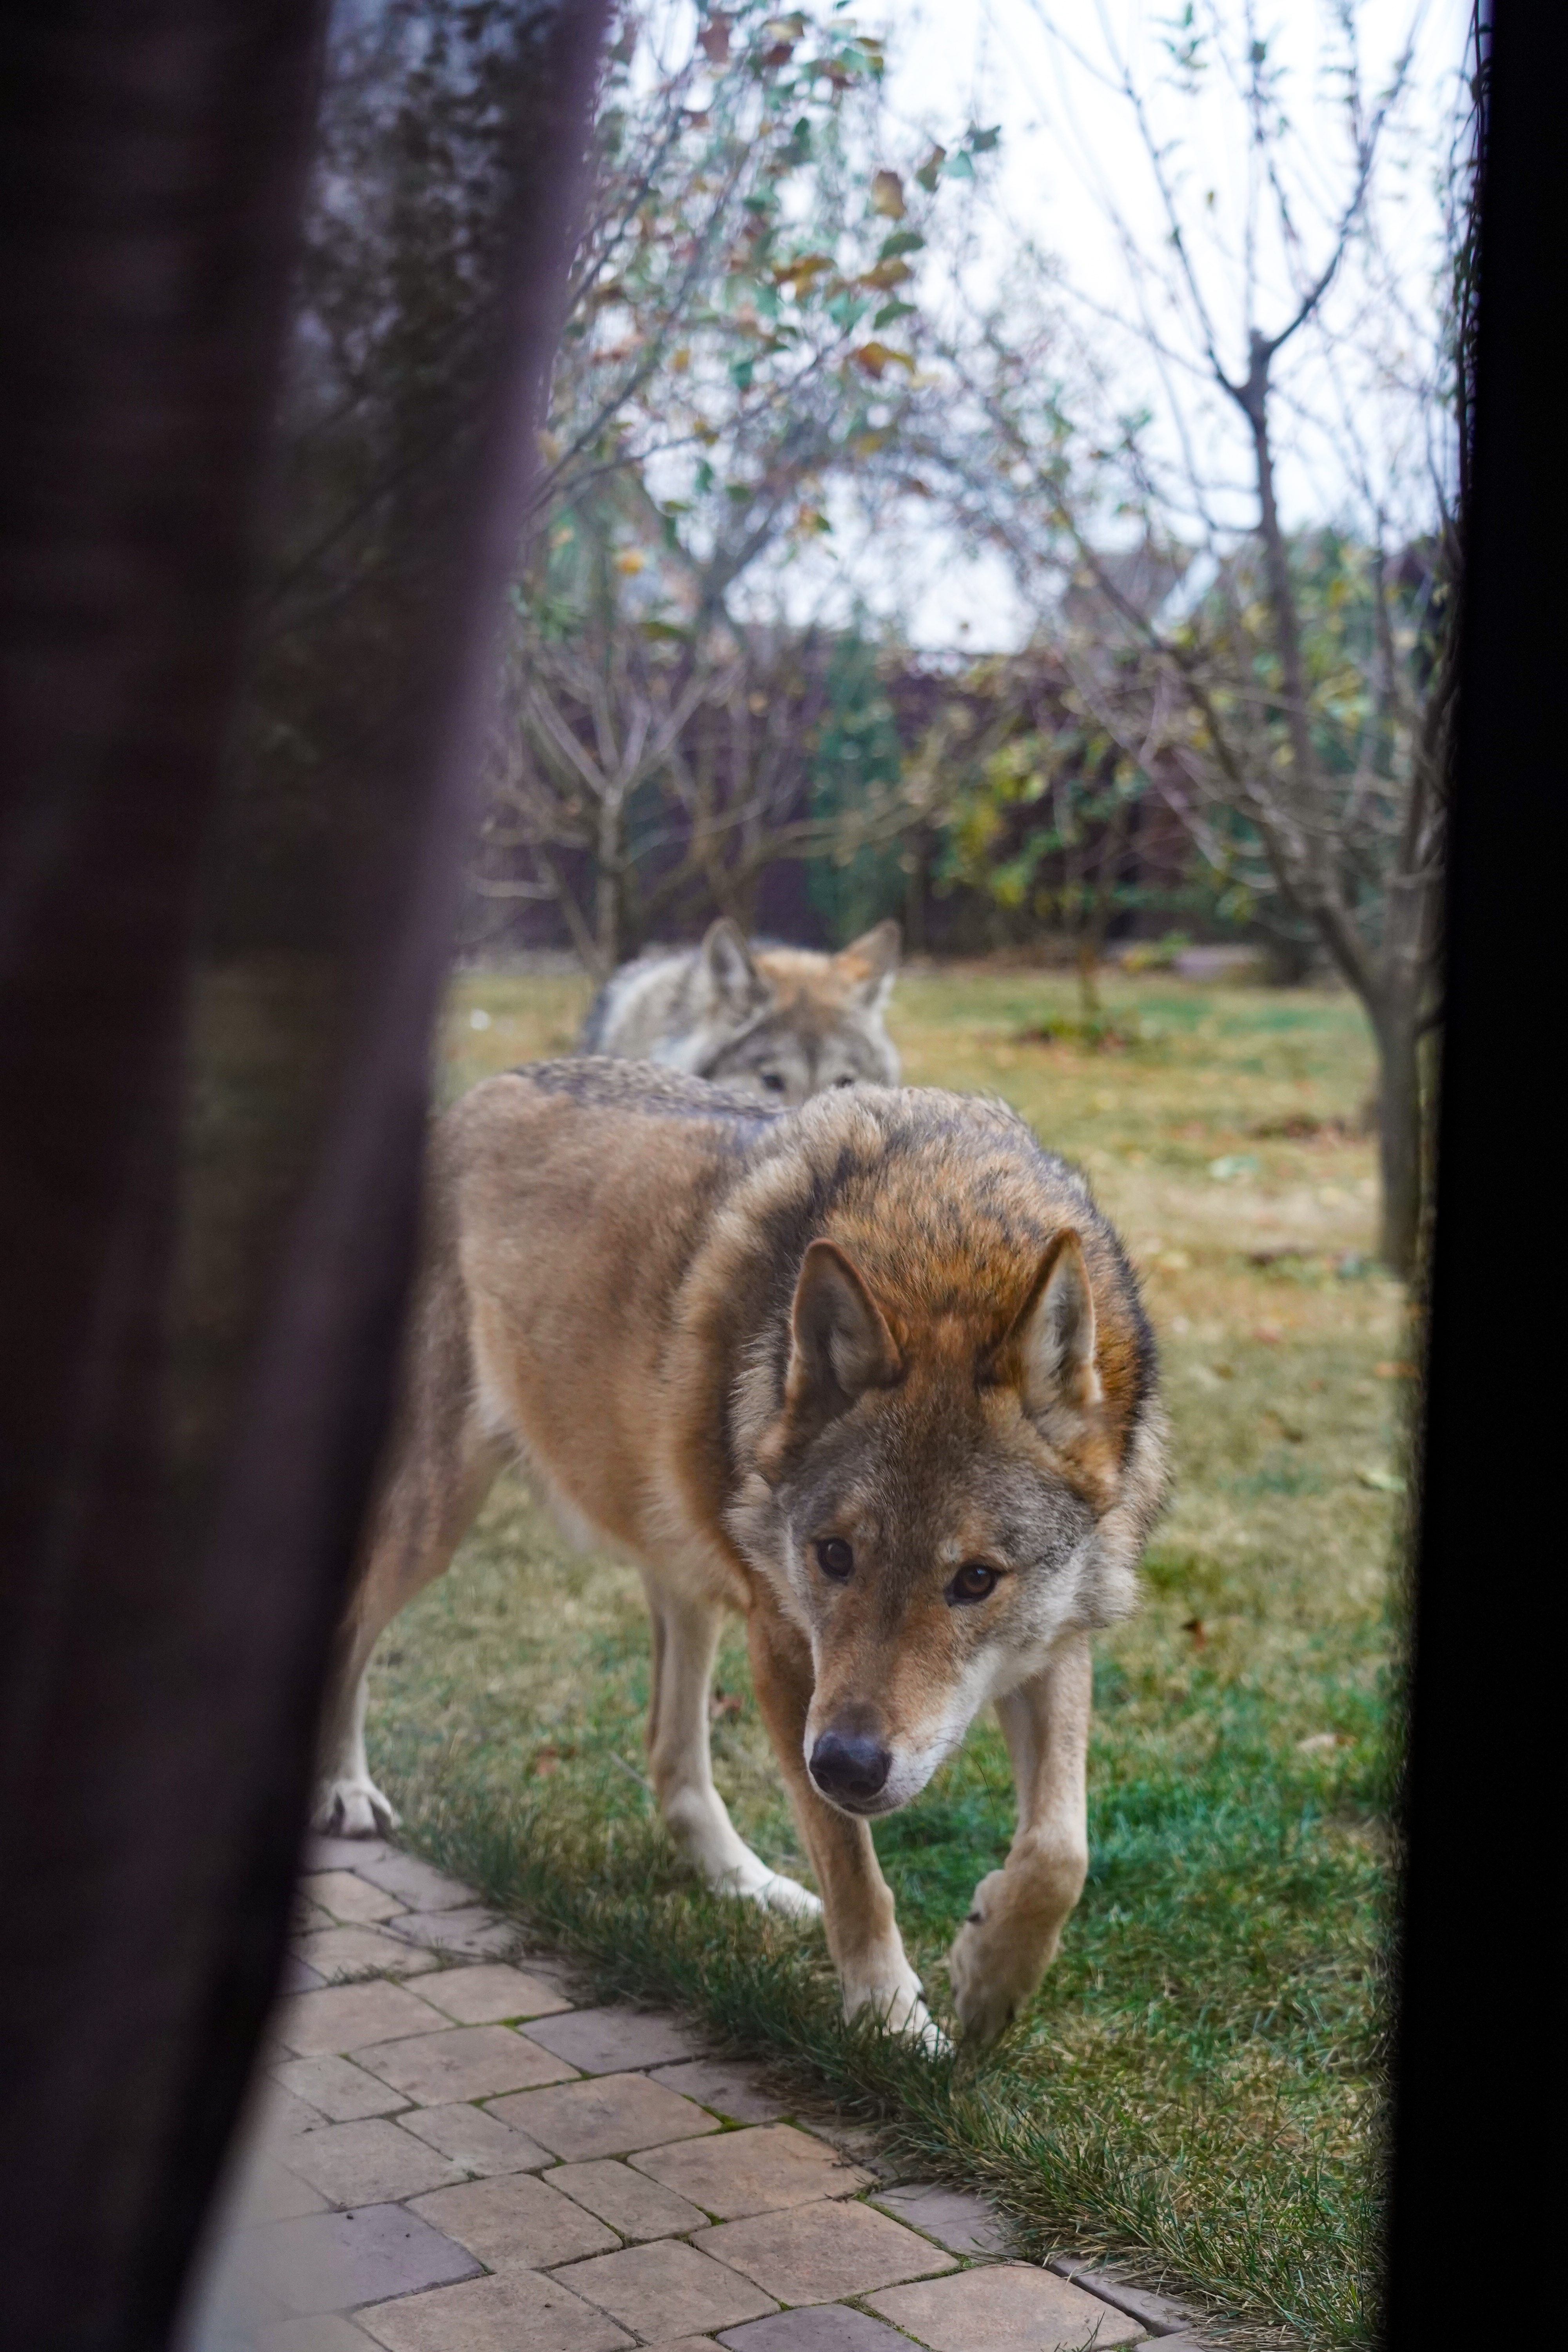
[{"x": 1069, "y": 152}]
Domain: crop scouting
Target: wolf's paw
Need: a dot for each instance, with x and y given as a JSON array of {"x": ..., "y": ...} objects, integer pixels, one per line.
[
  {"x": 996, "y": 1961},
  {"x": 899, "y": 2010},
  {"x": 352, "y": 1809},
  {"x": 753, "y": 1882}
]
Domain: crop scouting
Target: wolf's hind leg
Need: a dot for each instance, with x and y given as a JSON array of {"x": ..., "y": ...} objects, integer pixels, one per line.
[
  {"x": 347, "y": 1803},
  {"x": 444, "y": 1461},
  {"x": 685, "y": 1638}
]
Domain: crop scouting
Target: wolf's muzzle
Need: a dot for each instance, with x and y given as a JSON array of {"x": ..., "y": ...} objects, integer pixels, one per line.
[{"x": 851, "y": 1767}]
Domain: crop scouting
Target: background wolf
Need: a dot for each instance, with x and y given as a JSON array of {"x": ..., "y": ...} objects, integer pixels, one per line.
[
  {"x": 873, "y": 1371},
  {"x": 783, "y": 1022}
]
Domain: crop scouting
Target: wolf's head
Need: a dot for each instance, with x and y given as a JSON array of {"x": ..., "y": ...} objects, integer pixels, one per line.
[
  {"x": 786, "y": 1022},
  {"x": 956, "y": 1479}
]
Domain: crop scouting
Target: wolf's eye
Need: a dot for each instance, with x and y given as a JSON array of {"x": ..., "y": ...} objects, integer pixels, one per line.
[
  {"x": 772, "y": 1081},
  {"x": 843, "y": 1082},
  {"x": 976, "y": 1581},
  {"x": 834, "y": 1559}
]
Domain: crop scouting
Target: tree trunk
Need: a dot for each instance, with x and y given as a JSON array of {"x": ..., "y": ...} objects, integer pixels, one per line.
[
  {"x": 1399, "y": 1134},
  {"x": 608, "y": 889}
]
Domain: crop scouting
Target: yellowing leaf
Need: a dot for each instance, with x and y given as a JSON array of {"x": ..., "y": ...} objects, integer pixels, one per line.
[
  {"x": 878, "y": 357},
  {"x": 803, "y": 268},
  {"x": 887, "y": 195}
]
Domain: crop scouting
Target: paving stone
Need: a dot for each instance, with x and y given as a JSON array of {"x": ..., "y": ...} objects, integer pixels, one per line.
[
  {"x": 612, "y": 2040},
  {"x": 339, "y": 2088},
  {"x": 814, "y": 2254},
  {"x": 964, "y": 2223},
  {"x": 463, "y": 2062},
  {"x": 553, "y": 1972},
  {"x": 350, "y": 2017},
  {"x": 516, "y": 2224},
  {"x": 341, "y": 1852},
  {"x": 297, "y": 1976},
  {"x": 364, "y": 1951},
  {"x": 755, "y": 2171},
  {"x": 1155, "y": 2312},
  {"x": 522, "y": 2313},
  {"x": 304, "y": 1917},
  {"x": 608, "y": 2116},
  {"x": 637, "y": 2207},
  {"x": 369, "y": 2163},
  {"x": 267, "y": 2190},
  {"x": 491, "y": 1994},
  {"x": 823, "y": 2328},
  {"x": 330, "y": 2333},
  {"x": 667, "y": 2289},
  {"x": 334, "y": 2259},
  {"x": 727, "y": 2085},
  {"x": 689, "y": 2343},
  {"x": 415, "y": 1882},
  {"x": 273, "y": 2116},
  {"x": 476, "y": 2140},
  {"x": 1004, "y": 2307},
  {"x": 344, "y": 1895},
  {"x": 477, "y": 1933},
  {"x": 222, "y": 2310}
]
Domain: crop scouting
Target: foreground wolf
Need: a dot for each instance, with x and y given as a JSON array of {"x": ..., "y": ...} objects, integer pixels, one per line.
[
  {"x": 873, "y": 1371},
  {"x": 783, "y": 1022}
]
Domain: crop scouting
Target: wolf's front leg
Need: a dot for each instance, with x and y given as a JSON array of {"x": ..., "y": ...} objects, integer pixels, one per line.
[
  {"x": 862, "y": 1932},
  {"x": 1010, "y": 1937},
  {"x": 684, "y": 1637}
]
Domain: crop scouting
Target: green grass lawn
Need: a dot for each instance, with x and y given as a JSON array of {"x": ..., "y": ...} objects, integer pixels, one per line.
[{"x": 1197, "y": 2086}]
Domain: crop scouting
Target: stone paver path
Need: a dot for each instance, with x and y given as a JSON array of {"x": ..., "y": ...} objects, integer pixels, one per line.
[{"x": 449, "y": 2152}]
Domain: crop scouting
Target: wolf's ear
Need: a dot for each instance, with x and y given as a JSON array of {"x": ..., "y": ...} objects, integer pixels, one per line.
[
  {"x": 733, "y": 979},
  {"x": 1051, "y": 1349},
  {"x": 871, "y": 962},
  {"x": 841, "y": 1345}
]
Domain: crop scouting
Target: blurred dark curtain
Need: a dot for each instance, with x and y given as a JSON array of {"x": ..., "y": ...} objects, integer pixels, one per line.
[
  {"x": 278, "y": 294},
  {"x": 1480, "y": 1989}
]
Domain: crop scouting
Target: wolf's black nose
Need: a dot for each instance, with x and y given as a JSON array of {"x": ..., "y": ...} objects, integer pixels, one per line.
[{"x": 849, "y": 1764}]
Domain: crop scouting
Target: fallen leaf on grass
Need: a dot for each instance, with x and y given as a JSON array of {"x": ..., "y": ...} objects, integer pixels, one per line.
[
  {"x": 1395, "y": 1371},
  {"x": 1269, "y": 1333},
  {"x": 1195, "y": 1626},
  {"x": 1317, "y": 1743},
  {"x": 1381, "y": 1482}
]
